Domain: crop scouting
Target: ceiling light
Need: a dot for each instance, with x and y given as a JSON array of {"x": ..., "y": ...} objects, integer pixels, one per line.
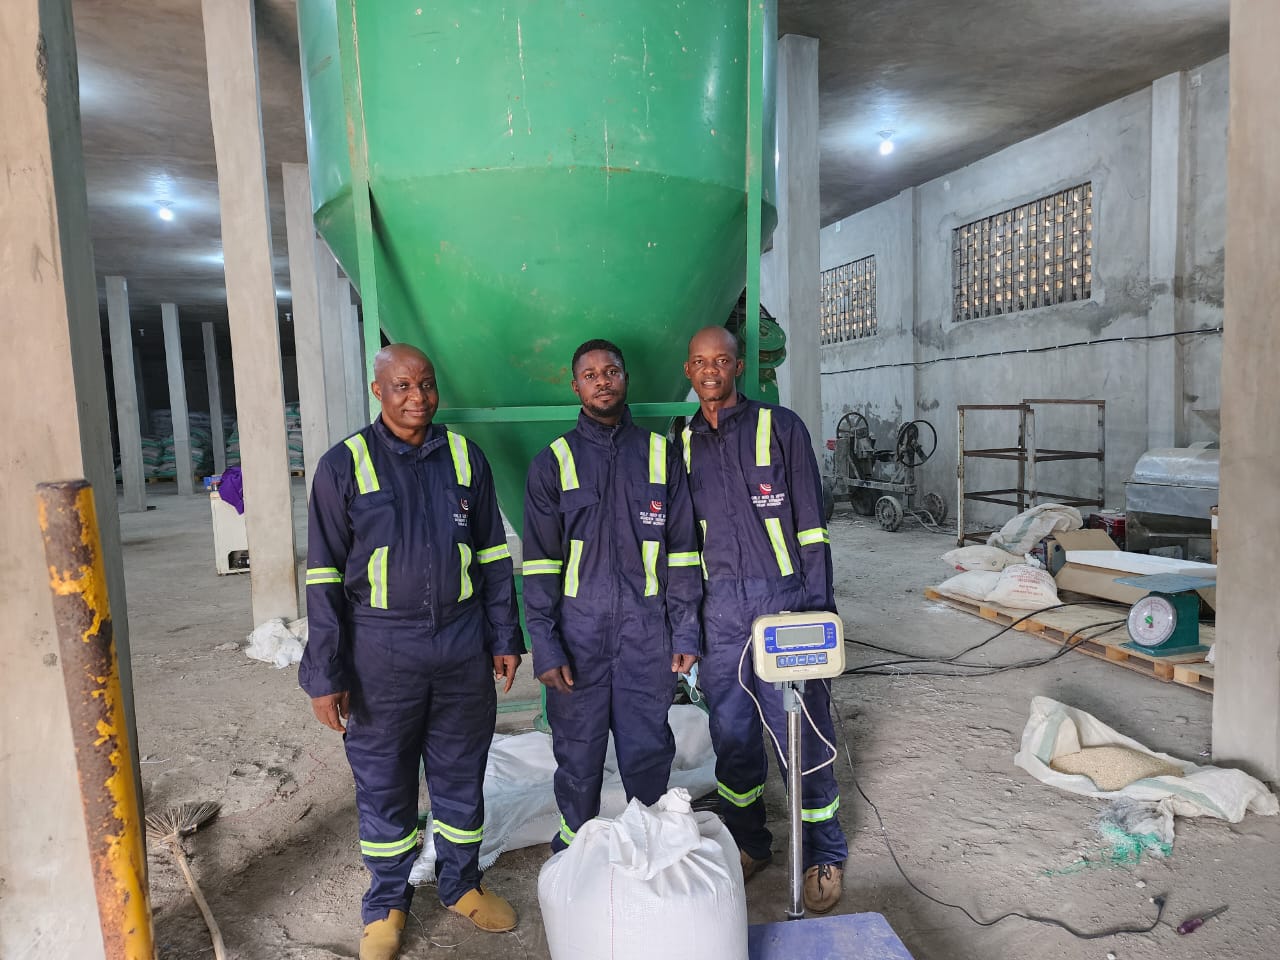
[
  {"x": 165, "y": 211},
  {"x": 886, "y": 142}
]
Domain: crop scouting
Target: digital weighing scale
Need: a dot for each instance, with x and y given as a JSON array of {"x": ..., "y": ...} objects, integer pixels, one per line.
[{"x": 788, "y": 649}]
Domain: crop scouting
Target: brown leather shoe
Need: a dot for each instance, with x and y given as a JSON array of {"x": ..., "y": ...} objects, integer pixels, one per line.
[
  {"x": 486, "y": 910},
  {"x": 381, "y": 940},
  {"x": 751, "y": 866},
  {"x": 823, "y": 885}
]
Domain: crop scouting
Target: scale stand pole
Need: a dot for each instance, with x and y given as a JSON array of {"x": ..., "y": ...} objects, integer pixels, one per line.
[{"x": 792, "y": 692}]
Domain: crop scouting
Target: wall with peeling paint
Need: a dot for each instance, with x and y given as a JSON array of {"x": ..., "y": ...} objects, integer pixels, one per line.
[{"x": 911, "y": 368}]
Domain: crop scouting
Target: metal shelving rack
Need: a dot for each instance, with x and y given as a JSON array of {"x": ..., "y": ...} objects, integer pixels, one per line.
[{"x": 1027, "y": 455}]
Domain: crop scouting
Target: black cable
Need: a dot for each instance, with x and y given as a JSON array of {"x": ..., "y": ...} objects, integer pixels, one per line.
[{"x": 1159, "y": 901}]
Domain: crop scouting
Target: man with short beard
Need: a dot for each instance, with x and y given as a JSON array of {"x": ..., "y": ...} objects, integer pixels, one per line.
[{"x": 611, "y": 591}]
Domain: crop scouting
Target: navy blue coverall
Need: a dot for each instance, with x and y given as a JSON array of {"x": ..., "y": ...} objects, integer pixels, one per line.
[
  {"x": 757, "y": 494},
  {"x": 410, "y": 594},
  {"x": 612, "y": 589}
]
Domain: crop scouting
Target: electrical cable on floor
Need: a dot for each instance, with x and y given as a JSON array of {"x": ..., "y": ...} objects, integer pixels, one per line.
[{"x": 1159, "y": 901}]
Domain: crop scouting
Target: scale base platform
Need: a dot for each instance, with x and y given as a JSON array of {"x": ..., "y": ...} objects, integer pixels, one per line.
[
  {"x": 1171, "y": 652},
  {"x": 850, "y": 936}
]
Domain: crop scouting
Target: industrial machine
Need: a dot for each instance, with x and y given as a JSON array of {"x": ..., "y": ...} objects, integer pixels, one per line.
[
  {"x": 1168, "y": 501},
  {"x": 882, "y": 482}
]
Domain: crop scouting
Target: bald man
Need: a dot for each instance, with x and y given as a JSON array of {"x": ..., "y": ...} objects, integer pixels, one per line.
[
  {"x": 757, "y": 496},
  {"x": 412, "y": 617}
]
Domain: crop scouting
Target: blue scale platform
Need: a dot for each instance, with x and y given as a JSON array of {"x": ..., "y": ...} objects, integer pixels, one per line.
[{"x": 852, "y": 936}]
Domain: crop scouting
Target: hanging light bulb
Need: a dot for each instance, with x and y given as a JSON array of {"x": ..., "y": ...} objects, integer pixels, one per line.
[
  {"x": 165, "y": 211},
  {"x": 886, "y": 142}
]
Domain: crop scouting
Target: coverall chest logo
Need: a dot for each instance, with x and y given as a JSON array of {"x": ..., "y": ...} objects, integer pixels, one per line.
[
  {"x": 766, "y": 497},
  {"x": 462, "y": 516},
  {"x": 655, "y": 516}
]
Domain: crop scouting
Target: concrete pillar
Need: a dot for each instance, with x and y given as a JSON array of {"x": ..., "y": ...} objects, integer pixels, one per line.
[
  {"x": 48, "y": 906},
  {"x": 128, "y": 428},
  {"x": 335, "y": 295},
  {"x": 144, "y": 408},
  {"x": 796, "y": 241},
  {"x": 1246, "y": 702},
  {"x": 1166, "y": 425},
  {"x": 307, "y": 333},
  {"x": 234, "y": 107},
  {"x": 357, "y": 384},
  {"x": 177, "y": 398},
  {"x": 215, "y": 398}
]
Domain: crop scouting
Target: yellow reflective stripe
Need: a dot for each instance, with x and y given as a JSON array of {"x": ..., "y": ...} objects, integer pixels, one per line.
[
  {"x": 490, "y": 554},
  {"x": 702, "y": 557},
  {"x": 378, "y": 578},
  {"x": 366, "y": 476},
  {"x": 687, "y": 436},
  {"x": 568, "y": 470},
  {"x": 455, "y": 835},
  {"x": 566, "y": 834},
  {"x": 571, "y": 573},
  {"x": 764, "y": 432},
  {"x": 531, "y": 567},
  {"x": 464, "y": 557},
  {"x": 821, "y": 813},
  {"x": 774, "y": 526},
  {"x": 318, "y": 575},
  {"x": 689, "y": 559},
  {"x": 812, "y": 536},
  {"x": 649, "y": 553},
  {"x": 461, "y": 462},
  {"x": 657, "y": 459},
  {"x": 740, "y": 799},
  {"x": 393, "y": 849}
]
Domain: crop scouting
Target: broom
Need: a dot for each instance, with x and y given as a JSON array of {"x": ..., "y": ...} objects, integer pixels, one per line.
[{"x": 170, "y": 827}]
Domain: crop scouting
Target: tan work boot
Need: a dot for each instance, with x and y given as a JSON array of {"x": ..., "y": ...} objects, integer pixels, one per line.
[
  {"x": 486, "y": 910},
  {"x": 750, "y": 865},
  {"x": 823, "y": 885},
  {"x": 381, "y": 940}
]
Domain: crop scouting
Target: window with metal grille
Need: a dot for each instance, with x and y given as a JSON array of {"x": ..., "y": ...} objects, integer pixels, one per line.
[
  {"x": 849, "y": 301},
  {"x": 1034, "y": 255}
]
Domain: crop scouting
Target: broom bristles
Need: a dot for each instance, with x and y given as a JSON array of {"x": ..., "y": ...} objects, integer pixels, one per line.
[{"x": 184, "y": 819}]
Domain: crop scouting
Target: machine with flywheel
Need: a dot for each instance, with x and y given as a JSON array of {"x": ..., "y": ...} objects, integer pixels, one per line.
[{"x": 882, "y": 482}]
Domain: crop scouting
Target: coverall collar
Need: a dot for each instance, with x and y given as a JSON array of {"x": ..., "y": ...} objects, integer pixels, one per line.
[
  {"x": 436, "y": 437},
  {"x": 727, "y": 418},
  {"x": 595, "y": 431}
]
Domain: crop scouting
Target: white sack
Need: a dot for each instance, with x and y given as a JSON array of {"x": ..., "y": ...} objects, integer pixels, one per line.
[
  {"x": 979, "y": 557},
  {"x": 974, "y": 585},
  {"x": 276, "y": 642},
  {"x": 1024, "y": 587},
  {"x": 520, "y": 804},
  {"x": 1054, "y": 728},
  {"x": 658, "y": 881},
  {"x": 1023, "y": 532}
]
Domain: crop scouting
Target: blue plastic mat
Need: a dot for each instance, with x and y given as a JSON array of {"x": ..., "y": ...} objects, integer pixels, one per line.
[{"x": 853, "y": 936}]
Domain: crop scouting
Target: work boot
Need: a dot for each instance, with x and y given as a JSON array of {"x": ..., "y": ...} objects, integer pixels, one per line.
[
  {"x": 381, "y": 940},
  {"x": 750, "y": 865},
  {"x": 823, "y": 885},
  {"x": 486, "y": 910}
]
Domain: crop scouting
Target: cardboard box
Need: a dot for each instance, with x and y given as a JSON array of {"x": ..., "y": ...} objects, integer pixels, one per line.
[
  {"x": 1097, "y": 581},
  {"x": 1213, "y": 534}
]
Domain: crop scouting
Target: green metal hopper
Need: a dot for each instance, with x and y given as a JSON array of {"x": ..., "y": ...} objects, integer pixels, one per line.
[{"x": 540, "y": 172}]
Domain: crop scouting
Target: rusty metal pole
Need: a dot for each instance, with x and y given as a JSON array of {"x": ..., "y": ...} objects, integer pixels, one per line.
[{"x": 104, "y": 754}]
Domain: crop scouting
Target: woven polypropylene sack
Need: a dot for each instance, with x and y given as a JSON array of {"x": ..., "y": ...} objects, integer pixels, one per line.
[{"x": 658, "y": 881}]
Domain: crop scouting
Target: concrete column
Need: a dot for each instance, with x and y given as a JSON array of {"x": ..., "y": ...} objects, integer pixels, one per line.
[
  {"x": 335, "y": 295},
  {"x": 177, "y": 398},
  {"x": 144, "y": 408},
  {"x": 357, "y": 384},
  {"x": 128, "y": 428},
  {"x": 1246, "y": 702},
  {"x": 1165, "y": 419},
  {"x": 215, "y": 398},
  {"x": 48, "y": 906},
  {"x": 307, "y": 334},
  {"x": 234, "y": 107},
  {"x": 796, "y": 241}
]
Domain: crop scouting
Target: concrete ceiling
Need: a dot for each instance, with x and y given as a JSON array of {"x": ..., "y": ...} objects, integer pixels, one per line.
[{"x": 953, "y": 82}]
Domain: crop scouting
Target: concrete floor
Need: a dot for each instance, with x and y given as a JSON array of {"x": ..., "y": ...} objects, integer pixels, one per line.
[{"x": 282, "y": 873}]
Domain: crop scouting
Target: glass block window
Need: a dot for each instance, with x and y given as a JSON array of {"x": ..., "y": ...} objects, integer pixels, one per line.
[
  {"x": 1034, "y": 255},
  {"x": 849, "y": 301}
]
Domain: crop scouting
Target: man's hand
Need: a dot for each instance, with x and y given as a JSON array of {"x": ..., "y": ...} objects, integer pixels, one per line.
[
  {"x": 683, "y": 662},
  {"x": 558, "y": 678},
  {"x": 504, "y": 668},
  {"x": 332, "y": 709}
]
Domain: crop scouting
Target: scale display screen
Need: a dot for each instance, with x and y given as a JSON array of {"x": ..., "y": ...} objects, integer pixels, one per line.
[{"x": 809, "y": 635}]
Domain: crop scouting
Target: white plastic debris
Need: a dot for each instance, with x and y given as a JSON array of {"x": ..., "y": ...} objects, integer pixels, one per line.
[{"x": 277, "y": 642}]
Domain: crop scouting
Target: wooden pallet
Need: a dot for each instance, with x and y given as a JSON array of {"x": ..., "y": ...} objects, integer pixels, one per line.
[{"x": 1065, "y": 625}]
